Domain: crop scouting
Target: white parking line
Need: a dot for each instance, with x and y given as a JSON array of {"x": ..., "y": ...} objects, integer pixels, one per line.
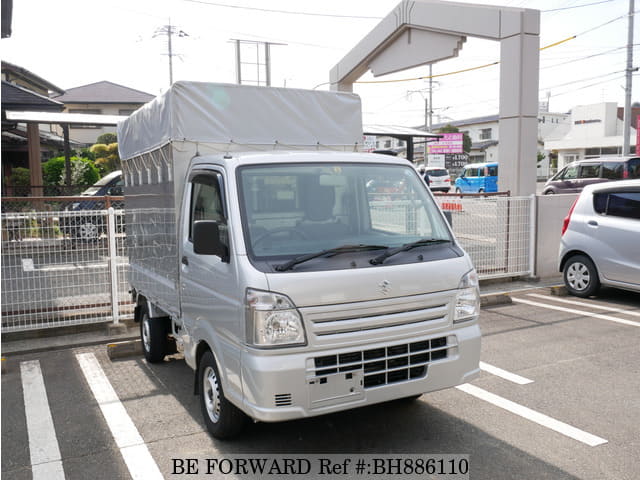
[
  {"x": 532, "y": 415},
  {"x": 46, "y": 462},
  {"x": 579, "y": 312},
  {"x": 512, "y": 377},
  {"x": 585, "y": 304},
  {"x": 136, "y": 455}
]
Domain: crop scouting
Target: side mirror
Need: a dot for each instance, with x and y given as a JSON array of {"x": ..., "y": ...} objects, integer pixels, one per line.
[
  {"x": 449, "y": 217},
  {"x": 206, "y": 239}
]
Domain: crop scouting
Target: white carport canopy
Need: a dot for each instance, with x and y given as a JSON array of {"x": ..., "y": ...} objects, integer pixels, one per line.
[
  {"x": 403, "y": 133},
  {"x": 64, "y": 118},
  {"x": 421, "y": 32}
]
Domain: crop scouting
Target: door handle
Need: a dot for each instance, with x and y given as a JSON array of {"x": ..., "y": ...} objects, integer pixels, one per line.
[
  {"x": 593, "y": 223},
  {"x": 185, "y": 260}
]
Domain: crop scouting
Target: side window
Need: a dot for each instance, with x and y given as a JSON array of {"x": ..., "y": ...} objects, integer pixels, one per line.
[
  {"x": 206, "y": 201},
  {"x": 633, "y": 167},
  {"x": 600, "y": 202},
  {"x": 589, "y": 171},
  {"x": 493, "y": 171},
  {"x": 612, "y": 170},
  {"x": 624, "y": 204},
  {"x": 570, "y": 173}
]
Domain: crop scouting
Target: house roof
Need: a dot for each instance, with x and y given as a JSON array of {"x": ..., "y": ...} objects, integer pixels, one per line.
[
  {"x": 467, "y": 121},
  {"x": 104, "y": 92},
  {"x": 11, "y": 70},
  {"x": 483, "y": 145},
  {"x": 15, "y": 97}
]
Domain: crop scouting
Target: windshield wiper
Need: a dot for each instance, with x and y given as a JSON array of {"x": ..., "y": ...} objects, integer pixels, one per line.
[
  {"x": 407, "y": 246},
  {"x": 329, "y": 252}
]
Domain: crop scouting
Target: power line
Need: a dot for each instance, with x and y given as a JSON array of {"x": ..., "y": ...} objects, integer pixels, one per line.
[
  {"x": 287, "y": 12},
  {"x": 575, "y": 6}
]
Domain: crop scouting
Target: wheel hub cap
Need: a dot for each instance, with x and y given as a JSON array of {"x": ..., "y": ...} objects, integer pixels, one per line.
[{"x": 211, "y": 394}]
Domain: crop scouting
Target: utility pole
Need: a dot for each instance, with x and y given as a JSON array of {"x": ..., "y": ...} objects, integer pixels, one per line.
[
  {"x": 170, "y": 30},
  {"x": 430, "y": 116},
  {"x": 627, "y": 96}
]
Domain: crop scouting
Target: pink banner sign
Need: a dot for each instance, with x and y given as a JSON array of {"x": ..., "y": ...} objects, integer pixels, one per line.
[{"x": 449, "y": 143}]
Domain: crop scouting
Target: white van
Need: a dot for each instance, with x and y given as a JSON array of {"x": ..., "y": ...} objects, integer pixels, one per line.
[{"x": 297, "y": 276}]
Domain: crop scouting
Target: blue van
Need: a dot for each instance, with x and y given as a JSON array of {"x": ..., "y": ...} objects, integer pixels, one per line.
[{"x": 478, "y": 178}]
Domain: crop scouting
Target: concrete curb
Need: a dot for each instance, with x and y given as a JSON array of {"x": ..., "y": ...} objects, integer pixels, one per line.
[
  {"x": 124, "y": 349},
  {"x": 492, "y": 299}
]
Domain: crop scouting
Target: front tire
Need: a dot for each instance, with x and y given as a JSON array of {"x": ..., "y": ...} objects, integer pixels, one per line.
[
  {"x": 222, "y": 418},
  {"x": 581, "y": 276},
  {"x": 153, "y": 333}
]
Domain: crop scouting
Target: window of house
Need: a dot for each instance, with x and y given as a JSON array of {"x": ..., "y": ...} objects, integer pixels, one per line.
[
  {"x": 485, "y": 134},
  {"x": 387, "y": 144},
  {"x": 86, "y": 111}
]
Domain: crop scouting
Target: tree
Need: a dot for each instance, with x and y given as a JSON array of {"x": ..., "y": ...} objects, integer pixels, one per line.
[
  {"x": 107, "y": 138},
  {"x": 106, "y": 155},
  {"x": 466, "y": 139}
]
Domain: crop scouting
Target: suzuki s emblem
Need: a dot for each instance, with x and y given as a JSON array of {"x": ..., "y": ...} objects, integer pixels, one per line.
[{"x": 385, "y": 287}]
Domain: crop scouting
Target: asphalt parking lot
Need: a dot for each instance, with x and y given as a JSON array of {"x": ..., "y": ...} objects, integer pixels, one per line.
[{"x": 557, "y": 398}]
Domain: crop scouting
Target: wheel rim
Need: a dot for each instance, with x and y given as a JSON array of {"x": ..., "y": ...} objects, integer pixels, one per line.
[
  {"x": 146, "y": 333},
  {"x": 211, "y": 394},
  {"x": 578, "y": 276},
  {"x": 87, "y": 231}
]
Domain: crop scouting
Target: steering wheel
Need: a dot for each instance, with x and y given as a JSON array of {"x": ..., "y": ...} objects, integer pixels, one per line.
[{"x": 276, "y": 231}]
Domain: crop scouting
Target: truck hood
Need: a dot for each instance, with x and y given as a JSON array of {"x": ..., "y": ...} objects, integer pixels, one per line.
[{"x": 334, "y": 287}]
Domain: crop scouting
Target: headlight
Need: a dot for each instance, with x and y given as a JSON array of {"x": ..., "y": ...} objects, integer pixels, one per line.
[
  {"x": 468, "y": 298},
  {"x": 272, "y": 320}
]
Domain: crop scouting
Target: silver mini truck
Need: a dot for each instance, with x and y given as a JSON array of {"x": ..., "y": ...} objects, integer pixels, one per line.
[{"x": 298, "y": 276}]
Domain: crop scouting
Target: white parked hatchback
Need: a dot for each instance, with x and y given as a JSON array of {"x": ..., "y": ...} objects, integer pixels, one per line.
[
  {"x": 600, "y": 242},
  {"x": 438, "y": 179}
]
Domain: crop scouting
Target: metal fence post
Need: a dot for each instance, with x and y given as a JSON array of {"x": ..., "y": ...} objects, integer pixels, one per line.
[
  {"x": 113, "y": 267},
  {"x": 533, "y": 229}
]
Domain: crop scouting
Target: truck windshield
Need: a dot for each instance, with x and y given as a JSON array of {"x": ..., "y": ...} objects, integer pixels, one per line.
[{"x": 300, "y": 209}]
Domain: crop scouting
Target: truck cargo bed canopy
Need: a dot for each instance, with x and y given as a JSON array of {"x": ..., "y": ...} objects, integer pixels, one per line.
[{"x": 238, "y": 115}]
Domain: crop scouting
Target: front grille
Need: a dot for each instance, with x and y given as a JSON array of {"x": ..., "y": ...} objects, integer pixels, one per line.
[
  {"x": 283, "y": 399},
  {"x": 384, "y": 365}
]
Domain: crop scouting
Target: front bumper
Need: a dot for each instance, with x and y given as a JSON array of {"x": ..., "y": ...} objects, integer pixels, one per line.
[{"x": 290, "y": 386}]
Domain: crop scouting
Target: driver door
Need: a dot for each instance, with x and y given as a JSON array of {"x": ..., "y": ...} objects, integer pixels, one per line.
[{"x": 209, "y": 284}]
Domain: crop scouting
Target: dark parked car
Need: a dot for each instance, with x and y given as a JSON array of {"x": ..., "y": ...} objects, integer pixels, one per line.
[
  {"x": 575, "y": 176},
  {"x": 89, "y": 226}
]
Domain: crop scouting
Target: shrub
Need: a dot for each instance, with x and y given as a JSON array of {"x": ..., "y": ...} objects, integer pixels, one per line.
[
  {"x": 20, "y": 177},
  {"x": 83, "y": 169}
]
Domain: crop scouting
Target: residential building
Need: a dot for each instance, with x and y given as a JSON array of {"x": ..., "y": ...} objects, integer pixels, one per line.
[
  {"x": 485, "y": 134},
  {"x": 100, "y": 98},
  {"x": 23, "y": 90}
]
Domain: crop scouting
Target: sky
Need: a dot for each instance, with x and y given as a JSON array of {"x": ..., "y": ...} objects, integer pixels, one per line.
[{"x": 77, "y": 42}]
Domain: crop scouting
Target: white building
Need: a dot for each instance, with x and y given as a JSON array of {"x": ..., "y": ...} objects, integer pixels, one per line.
[
  {"x": 485, "y": 135},
  {"x": 593, "y": 131}
]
